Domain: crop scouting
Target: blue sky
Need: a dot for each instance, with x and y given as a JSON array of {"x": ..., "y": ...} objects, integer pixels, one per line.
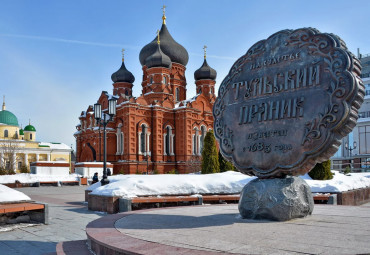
[{"x": 57, "y": 56}]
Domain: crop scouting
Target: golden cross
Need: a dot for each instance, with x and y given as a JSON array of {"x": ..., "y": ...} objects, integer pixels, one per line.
[
  {"x": 164, "y": 14},
  {"x": 123, "y": 54},
  {"x": 205, "y": 51},
  {"x": 158, "y": 37}
]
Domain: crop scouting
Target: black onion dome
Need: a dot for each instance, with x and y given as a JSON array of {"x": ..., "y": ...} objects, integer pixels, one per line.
[
  {"x": 123, "y": 75},
  {"x": 205, "y": 72},
  {"x": 176, "y": 52},
  {"x": 158, "y": 59}
]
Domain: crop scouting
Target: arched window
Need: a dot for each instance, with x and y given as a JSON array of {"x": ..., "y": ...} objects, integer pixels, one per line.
[
  {"x": 119, "y": 140},
  {"x": 6, "y": 133},
  {"x": 168, "y": 138},
  {"x": 30, "y": 136},
  {"x": 203, "y": 131},
  {"x": 143, "y": 138},
  {"x": 16, "y": 135},
  {"x": 126, "y": 92},
  {"x": 177, "y": 94},
  {"x": 151, "y": 79},
  {"x": 195, "y": 142},
  {"x": 164, "y": 80},
  {"x": 168, "y": 141},
  {"x": 200, "y": 91}
]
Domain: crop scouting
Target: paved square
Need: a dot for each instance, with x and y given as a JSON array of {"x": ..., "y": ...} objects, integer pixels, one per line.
[{"x": 68, "y": 218}]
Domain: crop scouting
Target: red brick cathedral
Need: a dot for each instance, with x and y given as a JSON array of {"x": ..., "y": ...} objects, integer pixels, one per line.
[{"x": 161, "y": 130}]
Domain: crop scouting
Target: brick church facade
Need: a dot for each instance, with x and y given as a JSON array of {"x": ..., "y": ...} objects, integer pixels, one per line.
[{"x": 161, "y": 130}]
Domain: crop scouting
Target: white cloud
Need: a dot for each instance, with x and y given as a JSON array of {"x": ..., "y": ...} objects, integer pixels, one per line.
[{"x": 53, "y": 39}]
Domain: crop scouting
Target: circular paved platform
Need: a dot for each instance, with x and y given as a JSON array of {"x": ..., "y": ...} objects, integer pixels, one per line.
[{"x": 215, "y": 229}]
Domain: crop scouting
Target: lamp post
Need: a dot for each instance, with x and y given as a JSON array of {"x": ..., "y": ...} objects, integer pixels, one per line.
[
  {"x": 350, "y": 149},
  {"x": 104, "y": 119},
  {"x": 146, "y": 156}
]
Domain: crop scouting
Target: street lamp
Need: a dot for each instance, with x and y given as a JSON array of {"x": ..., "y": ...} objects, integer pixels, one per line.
[
  {"x": 146, "y": 156},
  {"x": 350, "y": 149},
  {"x": 104, "y": 119}
]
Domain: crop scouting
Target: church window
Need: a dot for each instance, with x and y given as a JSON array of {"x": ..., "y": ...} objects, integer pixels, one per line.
[
  {"x": 203, "y": 135},
  {"x": 119, "y": 140},
  {"x": 151, "y": 79},
  {"x": 200, "y": 91},
  {"x": 30, "y": 136},
  {"x": 195, "y": 142},
  {"x": 212, "y": 90},
  {"x": 144, "y": 140},
  {"x": 165, "y": 80},
  {"x": 168, "y": 141},
  {"x": 126, "y": 92},
  {"x": 16, "y": 135},
  {"x": 177, "y": 94},
  {"x": 6, "y": 133},
  {"x": 19, "y": 165}
]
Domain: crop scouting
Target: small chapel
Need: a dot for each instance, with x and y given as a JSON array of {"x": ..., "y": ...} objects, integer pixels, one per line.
[{"x": 160, "y": 131}]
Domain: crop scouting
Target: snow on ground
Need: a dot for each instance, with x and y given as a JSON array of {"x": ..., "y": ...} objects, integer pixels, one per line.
[
  {"x": 32, "y": 178},
  {"x": 172, "y": 184},
  {"x": 10, "y": 195},
  {"x": 339, "y": 183},
  {"x": 220, "y": 183}
]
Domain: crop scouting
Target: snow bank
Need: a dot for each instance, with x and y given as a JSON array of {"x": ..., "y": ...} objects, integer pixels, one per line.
[
  {"x": 339, "y": 183},
  {"x": 31, "y": 178},
  {"x": 11, "y": 195},
  {"x": 220, "y": 183},
  {"x": 172, "y": 184}
]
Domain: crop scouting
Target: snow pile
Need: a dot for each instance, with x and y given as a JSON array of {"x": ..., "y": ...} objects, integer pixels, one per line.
[
  {"x": 11, "y": 195},
  {"x": 61, "y": 146},
  {"x": 32, "y": 178},
  {"x": 220, "y": 183},
  {"x": 172, "y": 184},
  {"x": 339, "y": 183}
]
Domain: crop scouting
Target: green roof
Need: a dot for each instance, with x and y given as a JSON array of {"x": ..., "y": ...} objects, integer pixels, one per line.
[
  {"x": 8, "y": 118},
  {"x": 29, "y": 128},
  {"x": 21, "y": 132}
]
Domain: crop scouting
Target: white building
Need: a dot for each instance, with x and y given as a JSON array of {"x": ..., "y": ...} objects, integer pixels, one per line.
[{"x": 355, "y": 148}]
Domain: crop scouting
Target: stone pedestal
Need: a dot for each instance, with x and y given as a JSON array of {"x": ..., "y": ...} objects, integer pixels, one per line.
[{"x": 279, "y": 199}]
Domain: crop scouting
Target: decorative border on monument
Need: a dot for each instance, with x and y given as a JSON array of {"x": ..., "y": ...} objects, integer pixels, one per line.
[{"x": 336, "y": 73}]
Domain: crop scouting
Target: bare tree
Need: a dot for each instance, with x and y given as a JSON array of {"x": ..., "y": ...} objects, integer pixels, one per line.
[{"x": 9, "y": 149}]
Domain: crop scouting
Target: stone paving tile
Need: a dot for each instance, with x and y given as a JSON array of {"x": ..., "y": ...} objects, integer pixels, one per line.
[
  {"x": 339, "y": 231},
  {"x": 68, "y": 217}
]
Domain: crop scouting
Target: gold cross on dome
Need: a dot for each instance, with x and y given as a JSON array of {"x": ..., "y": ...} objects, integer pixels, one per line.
[
  {"x": 158, "y": 37},
  {"x": 205, "y": 51},
  {"x": 123, "y": 54},
  {"x": 164, "y": 14}
]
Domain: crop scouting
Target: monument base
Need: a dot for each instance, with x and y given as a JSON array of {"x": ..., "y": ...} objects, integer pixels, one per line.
[{"x": 276, "y": 199}]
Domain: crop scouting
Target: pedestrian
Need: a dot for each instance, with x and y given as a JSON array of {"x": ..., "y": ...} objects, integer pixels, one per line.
[
  {"x": 95, "y": 178},
  {"x": 109, "y": 173}
]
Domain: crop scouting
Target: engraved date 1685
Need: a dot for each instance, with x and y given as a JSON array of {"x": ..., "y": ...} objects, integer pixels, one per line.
[{"x": 266, "y": 148}]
